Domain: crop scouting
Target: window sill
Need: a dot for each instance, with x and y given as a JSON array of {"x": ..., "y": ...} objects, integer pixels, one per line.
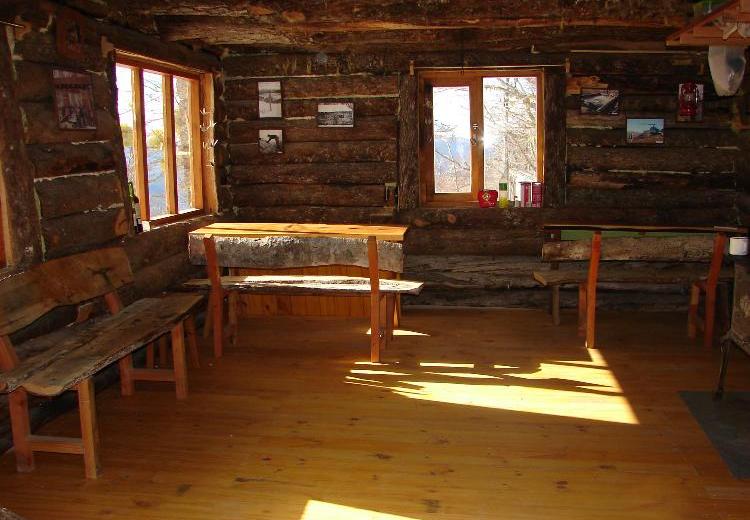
[{"x": 158, "y": 222}]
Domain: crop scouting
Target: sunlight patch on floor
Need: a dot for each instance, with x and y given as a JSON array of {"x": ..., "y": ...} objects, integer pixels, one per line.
[
  {"x": 403, "y": 332},
  {"x": 317, "y": 510},
  {"x": 566, "y": 388}
]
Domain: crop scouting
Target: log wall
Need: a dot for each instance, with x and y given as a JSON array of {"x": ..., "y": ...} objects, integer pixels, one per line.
[
  {"x": 65, "y": 191},
  {"x": 592, "y": 173}
]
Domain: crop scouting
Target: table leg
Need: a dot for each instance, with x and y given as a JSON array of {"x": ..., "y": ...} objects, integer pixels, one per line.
[{"x": 596, "y": 251}]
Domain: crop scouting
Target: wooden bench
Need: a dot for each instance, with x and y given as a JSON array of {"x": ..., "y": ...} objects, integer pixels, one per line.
[
  {"x": 690, "y": 260},
  {"x": 68, "y": 358},
  {"x": 303, "y": 251}
]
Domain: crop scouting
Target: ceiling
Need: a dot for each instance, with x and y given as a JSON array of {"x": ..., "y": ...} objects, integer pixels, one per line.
[{"x": 328, "y": 25}]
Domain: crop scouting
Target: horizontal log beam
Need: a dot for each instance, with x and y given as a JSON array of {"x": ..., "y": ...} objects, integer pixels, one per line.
[
  {"x": 332, "y": 152},
  {"x": 320, "y": 173}
]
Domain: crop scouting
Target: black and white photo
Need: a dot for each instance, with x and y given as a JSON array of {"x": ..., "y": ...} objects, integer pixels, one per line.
[
  {"x": 269, "y": 99},
  {"x": 336, "y": 115},
  {"x": 270, "y": 141}
]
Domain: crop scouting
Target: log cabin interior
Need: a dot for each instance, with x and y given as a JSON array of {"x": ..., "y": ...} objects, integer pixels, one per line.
[{"x": 385, "y": 260}]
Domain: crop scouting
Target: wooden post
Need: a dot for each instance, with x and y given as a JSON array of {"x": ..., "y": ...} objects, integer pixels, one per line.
[
  {"x": 582, "y": 310},
  {"x": 89, "y": 427},
  {"x": 18, "y": 408},
  {"x": 375, "y": 331},
  {"x": 217, "y": 294},
  {"x": 695, "y": 296},
  {"x": 390, "y": 307},
  {"x": 163, "y": 362},
  {"x": 150, "y": 355},
  {"x": 192, "y": 339},
  {"x": 127, "y": 383},
  {"x": 596, "y": 251},
  {"x": 555, "y": 289},
  {"x": 178, "y": 360},
  {"x": 720, "y": 241}
]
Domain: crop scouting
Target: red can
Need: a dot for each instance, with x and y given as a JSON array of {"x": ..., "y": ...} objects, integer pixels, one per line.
[
  {"x": 525, "y": 194},
  {"x": 537, "y": 194},
  {"x": 487, "y": 198}
]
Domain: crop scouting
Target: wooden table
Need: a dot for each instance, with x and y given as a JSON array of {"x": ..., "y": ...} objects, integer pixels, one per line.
[
  {"x": 305, "y": 305},
  {"x": 596, "y": 242}
]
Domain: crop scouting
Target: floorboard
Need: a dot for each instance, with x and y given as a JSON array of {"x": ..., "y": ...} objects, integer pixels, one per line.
[{"x": 472, "y": 414}]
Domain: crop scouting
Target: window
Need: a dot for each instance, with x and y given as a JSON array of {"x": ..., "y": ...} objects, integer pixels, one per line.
[
  {"x": 479, "y": 128},
  {"x": 160, "y": 109}
]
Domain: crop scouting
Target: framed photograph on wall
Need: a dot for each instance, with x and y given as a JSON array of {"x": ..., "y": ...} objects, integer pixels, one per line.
[
  {"x": 600, "y": 101},
  {"x": 271, "y": 141},
  {"x": 336, "y": 115},
  {"x": 269, "y": 99},
  {"x": 71, "y": 35},
  {"x": 645, "y": 131},
  {"x": 74, "y": 100},
  {"x": 690, "y": 102}
]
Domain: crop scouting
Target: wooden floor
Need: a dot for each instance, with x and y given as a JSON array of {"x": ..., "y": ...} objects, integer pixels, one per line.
[{"x": 474, "y": 414}]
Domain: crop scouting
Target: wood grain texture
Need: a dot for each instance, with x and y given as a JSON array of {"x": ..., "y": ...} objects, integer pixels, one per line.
[
  {"x": 90, "y": 347},
  {"x": 27, "y": 295},
  {"x": 695, "y": 248},
  {"x": 646, "y": 455},
  {"x": 309, "y": 285},
  {"x": 289, "y": 251}
]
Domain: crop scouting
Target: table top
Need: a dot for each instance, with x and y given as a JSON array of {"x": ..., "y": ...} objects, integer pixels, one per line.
[
  {"x": 636, "y": 227},
  {"x": 260, "y": 229}
]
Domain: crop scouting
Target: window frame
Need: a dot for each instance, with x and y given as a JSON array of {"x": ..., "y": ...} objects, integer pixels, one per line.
[
  {"x": 199, "y": 167},
  {"x": 473, "y": 79}
]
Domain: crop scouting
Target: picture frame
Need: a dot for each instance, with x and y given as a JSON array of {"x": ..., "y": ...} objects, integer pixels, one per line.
[
  {"x": 74, "y": 100},
  {"x": 645, "y": 131},
  {"x": 690, "y": 102},
  {"x": 71, "y": 35},
  {"x": 271, "y": 141},
  {"x": 270, "y": 100},
  {"x": 600, "y": 101},
  {"x": 335, "y": 114}
]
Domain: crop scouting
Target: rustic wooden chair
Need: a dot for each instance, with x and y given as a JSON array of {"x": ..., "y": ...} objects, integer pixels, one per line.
[
  {"x": 69, "y": 358},
  {"x": 286, "y": 251}
]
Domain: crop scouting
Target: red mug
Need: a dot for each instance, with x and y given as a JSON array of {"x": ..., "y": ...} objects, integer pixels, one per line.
[{"x": 487, "y": 198}]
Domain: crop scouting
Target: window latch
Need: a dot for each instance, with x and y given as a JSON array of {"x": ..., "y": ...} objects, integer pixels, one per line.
[{"x": 474, "y": 134}]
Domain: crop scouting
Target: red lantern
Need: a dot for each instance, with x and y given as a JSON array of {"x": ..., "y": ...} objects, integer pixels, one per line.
[{"x": 487, "y": 198}]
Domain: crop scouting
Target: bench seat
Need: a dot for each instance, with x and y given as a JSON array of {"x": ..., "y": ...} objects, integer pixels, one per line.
[
  {"x": 73, "y": 354},
  {"x": 683, "y": 275},
  {"x": 308, "y": 285}
]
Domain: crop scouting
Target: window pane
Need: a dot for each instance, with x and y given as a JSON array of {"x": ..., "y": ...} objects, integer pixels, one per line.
[
  {"x": 510, "y": 132},
  {"x": 452, "y": 152},
  {"x": 182, "y": 139},
  {"x": 155, "y": 157},
  {"x": 124, "y": 80}
]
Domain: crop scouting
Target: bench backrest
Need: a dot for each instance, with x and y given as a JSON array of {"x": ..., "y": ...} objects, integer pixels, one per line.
[
  {"x": 684, "y": 248},
  {"x": 284, "y": 251},
  {"x": 28, "y": 295}
]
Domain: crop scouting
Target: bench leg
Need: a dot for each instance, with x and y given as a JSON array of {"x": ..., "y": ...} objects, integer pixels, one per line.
[
  {"x": 127, "y": 383},
  {"x": 232, "y": 306},
  {"x": 593, "y": 274},
  {"x": 150, "y": 355},
  {"x": 207, "y": 324},
  {"x": 726, "y": 346},
  {"x": 178, "y": 359},
  {"x": 555, "y": 290},
  {"x": 708, "y": 330},
  {"x": 390, "y": 309},
  {"x": 218, "y": 324},
  {"x": 695, "y": 296},
  {"x": 192, "y": 339},
  {"x": 375, "y": 330},
  {"x": 163, "y": 361},
  {"x": 89, "y": 427},
  {"x": 18, "y": 405},
  {"x": 581, "y": 309}
]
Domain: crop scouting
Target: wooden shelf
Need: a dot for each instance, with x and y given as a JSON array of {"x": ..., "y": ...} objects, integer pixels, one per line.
[{"x": 709, "y": 30}]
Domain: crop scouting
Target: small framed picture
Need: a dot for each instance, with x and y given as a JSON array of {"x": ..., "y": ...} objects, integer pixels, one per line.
[
  {"x": 71, "y": 35},
  {"x": 690, "y": 102},
  {"x": 271, "y": 141},
  {"x": 74, "y": 100},
  {"x": 645, "y": 131},
  {"x": 336, "y": 115},
  {"x": 600, "y": 101},
  {"x": 269, "y": 99}
]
